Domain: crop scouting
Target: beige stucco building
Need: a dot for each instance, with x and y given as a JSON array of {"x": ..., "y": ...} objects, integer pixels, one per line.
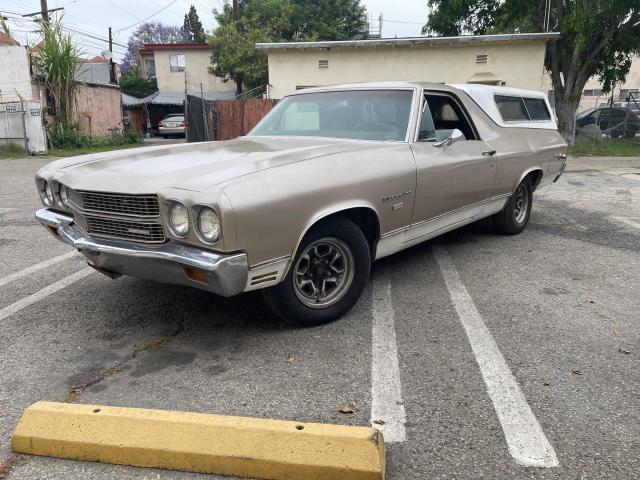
[
  {"x": 515, "y": 60},
  {"x": 171, "y": 64}
]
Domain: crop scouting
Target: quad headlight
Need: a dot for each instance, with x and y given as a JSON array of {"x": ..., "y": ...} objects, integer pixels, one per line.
[
  {"x": 209, "y": 225},
  {"x": 46, "y": 194},
  {"x": 64, "y": 196},
  {"x": 179, "y": 219}
]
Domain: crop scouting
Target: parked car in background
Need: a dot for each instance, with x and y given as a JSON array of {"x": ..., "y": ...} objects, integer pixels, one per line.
[
  {"x": 330, "y": 180},
  {"x": 172, "y": 125},
  {"x": 614, "y": 122}
]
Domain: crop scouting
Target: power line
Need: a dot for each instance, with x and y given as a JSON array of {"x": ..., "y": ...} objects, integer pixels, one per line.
[
  {"x": 403, "y": 21},
  {"x": 147, "y": 18}
]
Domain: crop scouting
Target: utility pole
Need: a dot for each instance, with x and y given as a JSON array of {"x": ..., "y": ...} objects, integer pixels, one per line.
[
  {"x": 237, "y": 24},
  {"x": 112, "y": 69},
  {"x": 44, "y": 11}
]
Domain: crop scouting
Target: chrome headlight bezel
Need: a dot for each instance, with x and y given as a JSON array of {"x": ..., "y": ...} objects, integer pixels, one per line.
[
  {"x": 45, "y": 192},
  {"x": 175, "y": 209},
  {"x": 63, "y": 194},
  {"x": 206, "y": 213}
]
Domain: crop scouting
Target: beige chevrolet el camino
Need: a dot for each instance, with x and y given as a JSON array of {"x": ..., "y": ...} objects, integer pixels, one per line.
[{"x": 330, "y": 180}]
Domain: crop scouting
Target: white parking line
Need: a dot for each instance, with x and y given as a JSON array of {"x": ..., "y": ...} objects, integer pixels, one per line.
[
  {"x": 527, "y": 442},
  {"x": 34, "y": 268},
  {"x": 387, "y": 409},
  {"x": 45, "y": 292},
  {"x": 626, "y": 221}
]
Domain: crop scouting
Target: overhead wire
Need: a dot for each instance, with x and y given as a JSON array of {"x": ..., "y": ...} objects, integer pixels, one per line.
[{"x": 146, "y": 18}]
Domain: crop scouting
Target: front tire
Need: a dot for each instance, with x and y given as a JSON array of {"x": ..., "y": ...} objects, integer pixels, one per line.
[
  {"x": 327, "y": 276},
  {"x": 514, "y": 217}
]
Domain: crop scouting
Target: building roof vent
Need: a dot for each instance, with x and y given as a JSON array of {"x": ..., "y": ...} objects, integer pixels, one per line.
[
  {"x": 323, "y": 63},
  {"x": 482, "y": 59}
]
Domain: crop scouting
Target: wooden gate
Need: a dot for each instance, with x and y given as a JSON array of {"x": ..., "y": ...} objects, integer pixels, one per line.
[{"x": 237, "y": 117}]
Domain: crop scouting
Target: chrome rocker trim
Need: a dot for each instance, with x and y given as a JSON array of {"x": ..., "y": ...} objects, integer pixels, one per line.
[{"x": 225, "y": 275}]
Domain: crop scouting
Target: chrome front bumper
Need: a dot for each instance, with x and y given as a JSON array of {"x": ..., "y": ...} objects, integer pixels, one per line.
[{"x": 222, "y": 274}]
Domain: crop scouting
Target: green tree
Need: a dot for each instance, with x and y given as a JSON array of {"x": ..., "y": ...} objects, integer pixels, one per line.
[
  {"x": 193, "y": 27},
  {"x": 234, "y": 54},
  {"x": 597, "y": 38},
  {"x": 132, "y": 84}
]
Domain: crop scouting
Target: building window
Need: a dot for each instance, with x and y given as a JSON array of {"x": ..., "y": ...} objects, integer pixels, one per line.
[
  {"x": 150, "y": 67},
  {"x": 482, "y": 58},
  {"x": 592, "y": 92},
  {"x": 323, "y": 63},
  {"x": 177, "y": 63}
]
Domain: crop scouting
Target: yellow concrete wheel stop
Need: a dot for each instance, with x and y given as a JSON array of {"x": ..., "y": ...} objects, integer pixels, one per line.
[{"x": 198, "y": 442}]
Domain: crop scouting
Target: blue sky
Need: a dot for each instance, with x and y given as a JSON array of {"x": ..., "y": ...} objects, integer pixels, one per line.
[{"x": 93, "y": 17}]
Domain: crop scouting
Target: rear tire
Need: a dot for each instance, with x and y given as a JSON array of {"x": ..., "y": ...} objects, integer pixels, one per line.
[
  {"x": 514, "y": 217},
  {"x": 327, "y": 276}
]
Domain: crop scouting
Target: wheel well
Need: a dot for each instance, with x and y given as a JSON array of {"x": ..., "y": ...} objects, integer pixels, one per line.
[
  {"x": 535, "y": 176},
  {"x": 363, "y": 217}
]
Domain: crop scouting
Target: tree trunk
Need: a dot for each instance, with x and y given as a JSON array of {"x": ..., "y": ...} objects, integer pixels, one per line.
[
  {"x": 238, "y": 85},
  {"x": 566, "y": 105}
]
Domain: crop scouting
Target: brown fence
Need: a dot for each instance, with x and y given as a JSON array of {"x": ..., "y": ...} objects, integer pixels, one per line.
[
  {"x": 223, "y": 119},
  {"x": 237, "y": 117}
]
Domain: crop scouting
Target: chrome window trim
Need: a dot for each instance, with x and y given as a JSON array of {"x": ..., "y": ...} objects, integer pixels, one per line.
[{"x": 455, "y": 98}]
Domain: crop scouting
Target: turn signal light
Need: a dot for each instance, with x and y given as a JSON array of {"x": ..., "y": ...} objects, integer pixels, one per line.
[{"x": 195, "y": 274}]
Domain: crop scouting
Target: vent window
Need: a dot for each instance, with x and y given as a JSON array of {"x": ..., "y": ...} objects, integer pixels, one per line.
[
  {"x": 323, "y": 64},
  {"x": 482, "y": 59}
]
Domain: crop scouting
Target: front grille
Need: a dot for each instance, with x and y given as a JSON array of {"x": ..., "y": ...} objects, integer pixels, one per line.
[
  {"x": 149, "y": 232},
  {"x": 141, "y": 206}
]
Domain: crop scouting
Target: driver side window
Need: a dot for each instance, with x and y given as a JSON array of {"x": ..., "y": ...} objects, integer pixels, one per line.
[{"x": 441, "y": 115}]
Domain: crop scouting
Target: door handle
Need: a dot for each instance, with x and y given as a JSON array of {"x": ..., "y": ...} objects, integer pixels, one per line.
[{"x": 489, "y": 153}]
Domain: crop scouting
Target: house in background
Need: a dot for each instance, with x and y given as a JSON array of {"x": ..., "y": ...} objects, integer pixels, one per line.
[
  {"x": 514, "y": 60},
  {"x": 177, "y": 67}
]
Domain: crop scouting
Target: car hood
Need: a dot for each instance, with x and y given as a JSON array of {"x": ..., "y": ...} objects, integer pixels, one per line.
[{"x": 192, "y": 166}]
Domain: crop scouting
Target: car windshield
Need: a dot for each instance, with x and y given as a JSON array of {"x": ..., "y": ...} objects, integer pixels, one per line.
[
  {"x": 175, "y": 118},
  {"x": 355, "y": 114},
  {"x": 586, "y": 113}
]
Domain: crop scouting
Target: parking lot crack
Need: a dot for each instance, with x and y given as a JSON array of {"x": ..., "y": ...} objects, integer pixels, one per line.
[{"x": 73, "y": 393}]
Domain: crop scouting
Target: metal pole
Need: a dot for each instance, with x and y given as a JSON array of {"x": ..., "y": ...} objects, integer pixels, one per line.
[
  {"x": 186, "y": 105},
  {"x": 112, "y": 69},
  {"x": 204, "y": 115},
  {"x": 24, "y": 127},
  {"x": 237, "y": 24}
]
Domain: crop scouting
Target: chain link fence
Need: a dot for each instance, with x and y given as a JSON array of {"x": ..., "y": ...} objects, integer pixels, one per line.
[
  {"x": 199, "y": 114},
  {"x": 21, "y": 125},
  {"x": 222, "y": 119}
]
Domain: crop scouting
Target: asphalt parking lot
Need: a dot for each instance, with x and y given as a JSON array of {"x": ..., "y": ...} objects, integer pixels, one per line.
[{"x": 559, "y": 304}]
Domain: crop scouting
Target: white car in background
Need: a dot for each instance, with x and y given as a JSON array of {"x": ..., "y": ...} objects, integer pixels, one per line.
[{"x": 173, "y": 124}]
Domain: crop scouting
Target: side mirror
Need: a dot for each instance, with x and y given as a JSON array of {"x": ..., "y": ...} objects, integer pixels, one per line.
[{"x": 451, "y": 139}]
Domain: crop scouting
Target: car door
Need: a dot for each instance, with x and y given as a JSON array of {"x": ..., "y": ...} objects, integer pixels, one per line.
[{"x": 452, "y": 181}]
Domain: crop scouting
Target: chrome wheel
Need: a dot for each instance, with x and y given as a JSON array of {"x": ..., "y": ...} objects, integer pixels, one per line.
[
  {"x": 521, "y": 203},
  {"x": 323, "y": 273}
]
